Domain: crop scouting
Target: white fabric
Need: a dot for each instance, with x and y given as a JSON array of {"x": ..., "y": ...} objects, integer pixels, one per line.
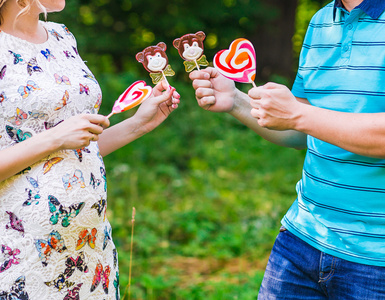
[{"x": 41, "y": 85}]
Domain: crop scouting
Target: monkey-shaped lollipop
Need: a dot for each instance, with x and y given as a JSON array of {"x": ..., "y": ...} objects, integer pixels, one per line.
[
  {"x": 190, "y": 48},
  {"x": 155, "y": 61}
]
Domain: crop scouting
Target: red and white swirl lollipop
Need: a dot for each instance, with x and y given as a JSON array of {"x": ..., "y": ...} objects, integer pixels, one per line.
[
  {"x": 238, "y": 62},
  {"x": 135, "y": 94}
]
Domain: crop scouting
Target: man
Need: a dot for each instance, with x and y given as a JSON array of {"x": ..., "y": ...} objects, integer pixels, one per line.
[{"x": 331, "y": 245}]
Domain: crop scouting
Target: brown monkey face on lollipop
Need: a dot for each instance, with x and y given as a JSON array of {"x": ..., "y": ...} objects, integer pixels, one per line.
[
  {"x": 155, "y": 61},
  {"x": 190, "y": 46},
  {"x": 154, "y": 58}
]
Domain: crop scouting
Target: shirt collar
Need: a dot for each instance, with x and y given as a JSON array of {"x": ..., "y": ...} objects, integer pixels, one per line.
[{"x": 373, "y": 8}]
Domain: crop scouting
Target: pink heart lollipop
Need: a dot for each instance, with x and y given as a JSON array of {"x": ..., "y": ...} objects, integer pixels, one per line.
[
  {"x": 135, "y": 94},
  {"x": 238, "y": 62}
]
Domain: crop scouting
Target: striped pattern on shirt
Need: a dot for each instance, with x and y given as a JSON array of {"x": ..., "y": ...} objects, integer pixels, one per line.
[{"x": 340, "y": 208}]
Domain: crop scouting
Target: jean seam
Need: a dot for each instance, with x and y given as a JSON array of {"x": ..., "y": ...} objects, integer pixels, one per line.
[{"x": 331, "y": 273}]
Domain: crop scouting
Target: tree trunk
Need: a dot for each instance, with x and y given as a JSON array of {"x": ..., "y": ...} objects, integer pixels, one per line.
[{"x": 273, "y": 41}]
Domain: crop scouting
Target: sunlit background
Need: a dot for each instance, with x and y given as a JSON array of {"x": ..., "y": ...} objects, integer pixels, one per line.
[{"x": 209, "y": 193}]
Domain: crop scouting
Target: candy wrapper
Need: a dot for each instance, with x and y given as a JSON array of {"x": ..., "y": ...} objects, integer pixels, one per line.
[
  {"x": 238, "y": 62},
  {"x": 190, "y": 48},
  {"x": 155, "y": 61},
  {"x": 135, "y": 94}
]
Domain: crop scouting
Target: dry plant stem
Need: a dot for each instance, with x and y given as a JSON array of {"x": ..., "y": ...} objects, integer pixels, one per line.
[{"x": 132, "y": 243}]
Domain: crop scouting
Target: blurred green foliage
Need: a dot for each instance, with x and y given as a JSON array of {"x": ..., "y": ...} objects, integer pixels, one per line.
[
  {"x": 114, "y": 31},
  {"x": 209, "y": 193}
]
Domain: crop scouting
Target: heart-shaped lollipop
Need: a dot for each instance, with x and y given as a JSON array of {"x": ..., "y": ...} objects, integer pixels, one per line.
[
  {"x": 238, "y": 62},
  {"x": 135, "y": 94}
]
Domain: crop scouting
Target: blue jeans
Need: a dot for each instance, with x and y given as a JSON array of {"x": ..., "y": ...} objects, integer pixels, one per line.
[{"x": 297, "y": 271}]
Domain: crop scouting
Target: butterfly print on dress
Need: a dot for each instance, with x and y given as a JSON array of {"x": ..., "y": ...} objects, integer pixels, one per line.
[
  {"x": 115, "y": 254},
  {"x": 16, "y": 134},
  {"x": 103, "y": 172},
  {"x": 10, "y": 258},
  {"x": 37, "y": 115},
  {"x": 14, "y": 223},
  {"x": 55, "y": 34},
  {"x": 86, "y": 237},
  {"x": 32, "y": 66},
  {"x": 25, "y": 171},
  {"x": 75, "y": 264},
  {"x": 84, "y": 89},
  {"x": 50, "y": 163},
  {"x": 67, "y": 30},
  {"x": 2, "y": 71},
  {"x": 79, "y": 154},
  {"x": 45, "y": 248},
  {"x": 64, "y": 100},
  {"x": 76, "y": 178},
  {"x": 3, "y": 97},
  {"x": 75, "y": 50},
  {"x": 107, "y": 237},
  {"x": 100, "y": 206},
  {"x": 58, "y": 211},
  {"x": 16, "y": 57},
  {"x": 71, "y": 266},
  {"x": 60, "y": 282},
  {"x": 47, "y": 54},
  {"x": 17, "y": 291},
  {"x": 74, "y": 293},
  {"x": 49, "y": 125},
  {"x": 116, "y": 285},
  {"x": 26, "y": 90},
  {"x": 101, "y": 275},
  {"x": 19, "y": 117},
  {"x": 94, "y": 182},
  {"x": 68, "y": 54},
  {"x": 62, "y": 79},
  {"x": 89, "y": 75},
  {"x": 34, "y": 193},
  {"x": 99, "y": 101}
]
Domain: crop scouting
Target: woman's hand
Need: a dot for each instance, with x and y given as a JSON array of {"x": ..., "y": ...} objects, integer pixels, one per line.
[
  {"x": 78, "y": 131},
  {"x": 157, "y": 108},
  {"x": 73, "y": 133}
]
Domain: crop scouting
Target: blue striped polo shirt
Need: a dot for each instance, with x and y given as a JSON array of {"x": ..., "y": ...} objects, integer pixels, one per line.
[{"x": 340, "y": 208}]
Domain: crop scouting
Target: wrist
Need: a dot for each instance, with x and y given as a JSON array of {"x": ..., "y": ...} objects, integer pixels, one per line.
[
  {"x": 135, "y": 127},
  {"x": 52, "y": 141},
  {"x": 240, "y": 100},
  {"x": 302, "y": 113}
]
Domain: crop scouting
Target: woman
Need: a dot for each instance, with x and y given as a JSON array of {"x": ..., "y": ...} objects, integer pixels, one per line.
[{"x": 54, "y": 237}]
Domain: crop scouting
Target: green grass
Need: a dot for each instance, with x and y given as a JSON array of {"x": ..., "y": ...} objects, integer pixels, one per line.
[{"x": 209, "y": 195}]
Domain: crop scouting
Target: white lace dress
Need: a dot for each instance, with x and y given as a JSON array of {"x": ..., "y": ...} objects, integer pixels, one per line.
[{"x": 55, "y": 240}]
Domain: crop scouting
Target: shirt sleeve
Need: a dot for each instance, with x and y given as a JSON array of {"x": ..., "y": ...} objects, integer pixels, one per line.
[{"x": 298, "y": 88}]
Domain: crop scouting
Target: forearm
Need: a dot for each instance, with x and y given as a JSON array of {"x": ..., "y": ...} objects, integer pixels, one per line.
[
  {"x": 288, "y": 138},
  {"x": 119, "y": 135},
  {"x": 360, "y": 133},
  {"x": 15, "y": 159}
]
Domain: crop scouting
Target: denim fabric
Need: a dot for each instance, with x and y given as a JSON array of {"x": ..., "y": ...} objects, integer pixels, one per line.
[{"x": 298, "y": 271}]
